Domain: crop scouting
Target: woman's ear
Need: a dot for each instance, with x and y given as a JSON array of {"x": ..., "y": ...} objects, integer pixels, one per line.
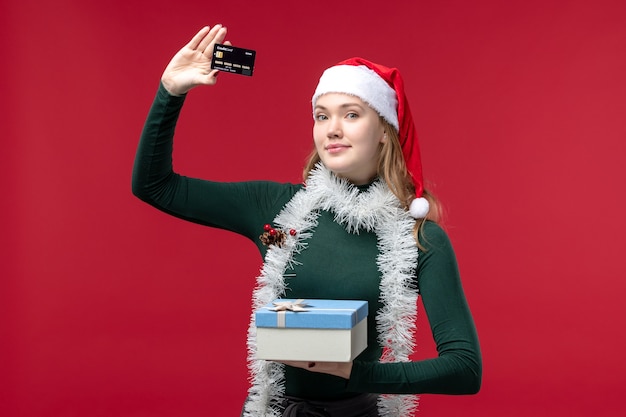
[{"x": 384, "y": 138}]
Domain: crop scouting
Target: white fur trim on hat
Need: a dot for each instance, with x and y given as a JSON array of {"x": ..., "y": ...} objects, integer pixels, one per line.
[{"x": 363, "y": 83}]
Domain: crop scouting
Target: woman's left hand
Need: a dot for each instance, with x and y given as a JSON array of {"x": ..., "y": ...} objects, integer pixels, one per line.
[{"x": 340, "y": 369}]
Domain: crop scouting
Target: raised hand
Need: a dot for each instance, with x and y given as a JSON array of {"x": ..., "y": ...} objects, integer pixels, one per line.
[{"x": 191, "y": 66}]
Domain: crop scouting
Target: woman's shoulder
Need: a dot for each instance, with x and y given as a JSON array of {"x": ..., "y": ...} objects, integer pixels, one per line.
[{"x": 433, "y": 236}]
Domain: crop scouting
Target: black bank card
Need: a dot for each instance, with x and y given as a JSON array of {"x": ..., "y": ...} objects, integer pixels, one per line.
[{"x": 232, "y": 59}]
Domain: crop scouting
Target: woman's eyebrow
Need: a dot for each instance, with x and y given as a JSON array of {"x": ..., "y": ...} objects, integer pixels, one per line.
[{"x": 341, "y": 106}]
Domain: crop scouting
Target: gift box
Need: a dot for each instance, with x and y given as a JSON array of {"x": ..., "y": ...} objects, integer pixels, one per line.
[{"x": 311, "y": 330}]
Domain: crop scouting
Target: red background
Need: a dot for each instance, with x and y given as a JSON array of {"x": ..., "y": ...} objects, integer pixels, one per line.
[{"x": 110, "y": 308}]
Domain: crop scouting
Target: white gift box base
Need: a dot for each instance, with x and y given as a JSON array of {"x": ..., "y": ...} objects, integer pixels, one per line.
[{"x": 312, "y": 345}]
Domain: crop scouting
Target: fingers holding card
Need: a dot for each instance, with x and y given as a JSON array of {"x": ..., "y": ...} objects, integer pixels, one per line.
[{"x": 232, "y": 59}]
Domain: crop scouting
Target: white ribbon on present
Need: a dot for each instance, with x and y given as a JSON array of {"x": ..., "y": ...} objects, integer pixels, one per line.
[{"x": 281, "y": 308}]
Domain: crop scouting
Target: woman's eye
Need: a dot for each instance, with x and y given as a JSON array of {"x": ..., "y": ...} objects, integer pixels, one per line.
[
  {"x": 352, "y": 115},
  {"x": 320, "y": 117}
]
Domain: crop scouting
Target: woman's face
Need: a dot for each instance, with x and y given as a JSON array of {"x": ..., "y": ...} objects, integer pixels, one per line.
[{"x": 347, "y": 135}]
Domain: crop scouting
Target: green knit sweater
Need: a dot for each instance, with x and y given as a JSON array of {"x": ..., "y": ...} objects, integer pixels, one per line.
[{"x": 335, "y": 265}]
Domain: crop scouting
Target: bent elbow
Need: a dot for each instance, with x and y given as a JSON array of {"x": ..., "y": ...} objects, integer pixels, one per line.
[
  {"x": 139, "y": 185},
  {"x": 474, "y": 377},
  {"x": 474, "y": 384},
  {"x": 138, "y": 190},
  {"x": 469, "y": 373}
]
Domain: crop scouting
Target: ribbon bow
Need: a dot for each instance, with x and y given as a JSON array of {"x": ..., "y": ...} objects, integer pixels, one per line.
[{"x": 297, "y": 305}]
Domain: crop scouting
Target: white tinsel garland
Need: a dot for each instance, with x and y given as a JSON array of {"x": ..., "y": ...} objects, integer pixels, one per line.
[{"x": 375, "y": 210}]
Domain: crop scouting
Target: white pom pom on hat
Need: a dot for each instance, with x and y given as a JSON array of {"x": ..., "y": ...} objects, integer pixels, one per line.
[
  {"x": 419, "y": 208},
  {"x": 383, "y": 89}
]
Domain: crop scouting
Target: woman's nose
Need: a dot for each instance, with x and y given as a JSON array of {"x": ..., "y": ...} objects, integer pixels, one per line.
[{"x": 334, "y": 128}]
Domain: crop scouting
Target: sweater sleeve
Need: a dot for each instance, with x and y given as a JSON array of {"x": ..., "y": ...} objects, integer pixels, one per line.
[
  {"x": 241, "y": 207},
  {"x": 458, "y": 367}
]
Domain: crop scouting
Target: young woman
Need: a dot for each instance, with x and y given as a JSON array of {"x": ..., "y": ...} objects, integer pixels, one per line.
[{"x": 362, "y": 227}]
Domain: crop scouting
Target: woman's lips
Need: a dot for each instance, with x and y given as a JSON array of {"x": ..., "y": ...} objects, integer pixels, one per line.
[{"x": 336, "y": 148}]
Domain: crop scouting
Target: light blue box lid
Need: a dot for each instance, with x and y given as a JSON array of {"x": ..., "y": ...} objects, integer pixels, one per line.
[{"x": 319, "y": 314}]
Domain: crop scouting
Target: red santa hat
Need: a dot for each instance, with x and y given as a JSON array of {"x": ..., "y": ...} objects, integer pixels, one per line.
[{"x": 382, "y": 89}]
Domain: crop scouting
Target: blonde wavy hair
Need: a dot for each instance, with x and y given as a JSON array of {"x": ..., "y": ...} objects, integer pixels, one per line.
[{"x": 392, "y": 168}]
